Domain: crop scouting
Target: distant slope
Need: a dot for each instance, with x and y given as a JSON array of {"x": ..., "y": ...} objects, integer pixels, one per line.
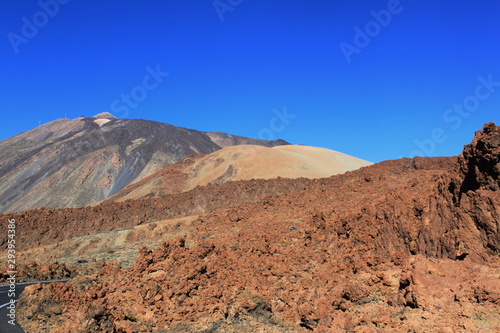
[
  {"x": 241, "y": 163},
  {"x": 76, "y": 162}
]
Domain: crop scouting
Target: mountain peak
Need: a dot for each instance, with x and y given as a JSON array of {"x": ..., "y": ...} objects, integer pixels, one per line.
[
  {"x": 100, "y": 162},
  {"x": 104, "y": 115}
]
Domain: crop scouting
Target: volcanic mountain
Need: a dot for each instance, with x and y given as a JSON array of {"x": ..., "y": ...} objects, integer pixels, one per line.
[
  {"x": 242, "y": 162},
  {"x": 77, "y": 162},
  {"x": 409, "y": 245}
]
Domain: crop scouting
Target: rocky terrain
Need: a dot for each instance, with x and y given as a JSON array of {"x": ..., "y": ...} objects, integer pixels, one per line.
[
  {"x": 77, "y": 162},
  {"x": 46, "y": 226},
  {"x": 410, "y": 245}
]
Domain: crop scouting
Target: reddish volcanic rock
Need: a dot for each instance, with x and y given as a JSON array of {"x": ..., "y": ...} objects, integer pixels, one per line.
[
  {"x": 35, "y": 271},
  {"x": 402, "y": 246},
  {"x": 480, "y": 160},
  {"x": 47, "y": 226},
  {"x": 476, "y": 183}
]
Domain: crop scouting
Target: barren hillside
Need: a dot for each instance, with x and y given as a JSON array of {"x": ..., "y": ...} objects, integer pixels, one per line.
[
  {"x": 77, "y": 162},
  {"x": 241, "y": 162},
  {"x": 407, "y": 245}
]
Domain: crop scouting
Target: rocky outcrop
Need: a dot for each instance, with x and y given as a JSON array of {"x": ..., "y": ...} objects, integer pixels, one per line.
[
  {"x": 400, "y": 246},
  {"x": 480, "y": 161},
  {"x": 475, "y": 186}
]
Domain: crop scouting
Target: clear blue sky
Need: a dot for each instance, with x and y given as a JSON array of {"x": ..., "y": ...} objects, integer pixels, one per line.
[{"x": 231, "y": 66}]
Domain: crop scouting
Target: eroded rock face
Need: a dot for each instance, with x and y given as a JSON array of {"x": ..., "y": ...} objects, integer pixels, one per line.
[
  {"x": 401, "y": 246},
  {"x": 475, "y": 185},
  {"x": 480, "y": 160}
]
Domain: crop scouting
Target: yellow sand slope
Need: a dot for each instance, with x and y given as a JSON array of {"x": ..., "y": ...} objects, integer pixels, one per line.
[{"x": 240, "y": 163}]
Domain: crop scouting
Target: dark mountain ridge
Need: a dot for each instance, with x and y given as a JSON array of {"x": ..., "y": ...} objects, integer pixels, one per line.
[{"x": 76, "y": 162}]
